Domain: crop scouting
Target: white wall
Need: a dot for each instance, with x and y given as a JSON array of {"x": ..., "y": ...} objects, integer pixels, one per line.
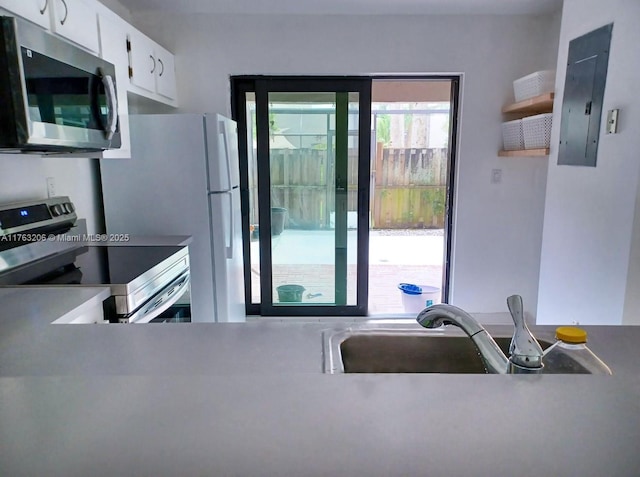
[
  {"x": 23, "y": 177},
  {"x": 498, "y": 227},
  {"x": 589, "y": 212},
  {"x": 631, "y": 313}
]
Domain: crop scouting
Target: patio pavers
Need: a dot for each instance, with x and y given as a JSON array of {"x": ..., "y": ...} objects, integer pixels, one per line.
[
  {"x": 384, "y": 296},
  {"x": 410, "y": 256}
]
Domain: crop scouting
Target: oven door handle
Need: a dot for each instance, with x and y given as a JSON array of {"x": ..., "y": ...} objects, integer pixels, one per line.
[{"x": 161, "y": 302}]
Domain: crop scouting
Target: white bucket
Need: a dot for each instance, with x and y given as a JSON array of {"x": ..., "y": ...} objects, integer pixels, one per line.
[{"x": 416, "y": 303}]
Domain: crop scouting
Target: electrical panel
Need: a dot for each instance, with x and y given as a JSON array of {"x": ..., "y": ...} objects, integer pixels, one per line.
[{"x": 583, "y": 93}]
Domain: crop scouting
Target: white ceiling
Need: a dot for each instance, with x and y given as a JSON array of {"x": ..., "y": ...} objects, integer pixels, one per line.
[{"x": 347, "y": 7}]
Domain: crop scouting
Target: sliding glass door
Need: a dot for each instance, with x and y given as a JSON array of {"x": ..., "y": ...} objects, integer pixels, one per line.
[{"x": 306, "y": 188}]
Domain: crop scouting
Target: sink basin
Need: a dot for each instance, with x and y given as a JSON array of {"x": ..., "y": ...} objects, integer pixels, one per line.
[
  {"x": 413, "y": 354},
  {"x": 406, "y": 351}
]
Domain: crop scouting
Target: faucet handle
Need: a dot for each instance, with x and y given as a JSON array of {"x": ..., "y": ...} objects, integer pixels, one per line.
[
  {"x": 525, "y": 350},
  {"x": 514, "y": 302}
]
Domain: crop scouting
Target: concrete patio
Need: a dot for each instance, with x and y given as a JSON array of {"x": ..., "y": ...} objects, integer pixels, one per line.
[{"x": 306, "y": 257}]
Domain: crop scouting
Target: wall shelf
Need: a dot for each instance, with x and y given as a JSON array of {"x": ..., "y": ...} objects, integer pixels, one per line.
[
  {"x": 538, "y": 104},
  {"x": 525, "y": 152}
]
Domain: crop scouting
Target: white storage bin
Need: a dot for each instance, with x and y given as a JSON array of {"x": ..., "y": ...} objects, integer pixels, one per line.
[
  {"x": 537, "y": 131},
  {"x": 415, "y": 303},
  {"x": 534, "y": 84},
  {"x": 512, "y": 136}
]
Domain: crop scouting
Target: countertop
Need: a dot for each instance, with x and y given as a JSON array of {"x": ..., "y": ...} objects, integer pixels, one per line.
[
  {"x": 22, "y": 309},
  {"x": 208, "y": 399},
  {"x": 124, "y": 240},
  {"x": 78, "y": 236}
]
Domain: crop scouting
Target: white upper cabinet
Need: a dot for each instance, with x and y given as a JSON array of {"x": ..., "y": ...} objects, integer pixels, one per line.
[
  {"x": 166, "y": 73},
  {"x": 152, "y": 68},
  {"x": 113, "y": 48},
  {"x": 76, "y": 20},
  {"x": 142, "y": 61},
  {"x": 37, "y": 11}
]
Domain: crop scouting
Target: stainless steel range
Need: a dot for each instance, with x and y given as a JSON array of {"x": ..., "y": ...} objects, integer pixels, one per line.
[{"x": 41, "y": 243}]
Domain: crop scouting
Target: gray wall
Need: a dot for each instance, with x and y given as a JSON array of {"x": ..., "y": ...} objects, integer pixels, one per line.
[
  {"x": 498, "y": 227},
  {"x": 631, "y": 312},
  {"x": 589, "y": 261},
  {"x": 23, "y": 177},
  {"x": 118, "y": 8}
]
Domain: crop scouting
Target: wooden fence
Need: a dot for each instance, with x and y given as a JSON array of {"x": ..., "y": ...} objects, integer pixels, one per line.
[{"x": 407, "y": 186}]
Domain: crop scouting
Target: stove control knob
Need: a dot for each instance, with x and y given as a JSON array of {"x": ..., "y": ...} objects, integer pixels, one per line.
[
  {"x": 57, "y": 210},
  {"x": 69, "y": 208}
]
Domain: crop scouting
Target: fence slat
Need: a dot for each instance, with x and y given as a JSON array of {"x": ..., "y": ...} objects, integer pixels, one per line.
[{"x": 409, "y": 186}]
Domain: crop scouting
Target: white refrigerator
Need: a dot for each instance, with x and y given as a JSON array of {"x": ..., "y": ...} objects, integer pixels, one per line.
[{"x": 183, "y": 179}]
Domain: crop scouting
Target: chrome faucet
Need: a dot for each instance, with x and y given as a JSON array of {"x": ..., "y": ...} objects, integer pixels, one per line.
[{"x": 525, "y": 351}]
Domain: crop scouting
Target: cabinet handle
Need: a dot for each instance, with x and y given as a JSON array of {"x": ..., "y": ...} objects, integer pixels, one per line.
[
  {"x": 153, "y": 68},
  {"x": 43, "y": 9},
  {"x": 162, "y": 66},
  {"x": 66, "y": 13}
]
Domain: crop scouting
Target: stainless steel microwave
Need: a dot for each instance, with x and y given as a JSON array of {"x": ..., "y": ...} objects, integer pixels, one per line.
[{"x": 54, "y": 96}]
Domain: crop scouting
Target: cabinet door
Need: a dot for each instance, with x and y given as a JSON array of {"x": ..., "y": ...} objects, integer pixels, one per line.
[
  {"x": 113, "y": 41},
  {"x": 142, "y": 61},
  {"x": 77, "y": 21},
  {"x": 165, "y": 73},
  {"x": 36, "y": 11}
]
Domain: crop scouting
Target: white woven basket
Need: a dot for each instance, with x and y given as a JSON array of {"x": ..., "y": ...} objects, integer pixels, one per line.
[
  {"x": 534, "y": 84},
  {"x": 512, "y": 135},
  {"x": 537, "y": 131}
]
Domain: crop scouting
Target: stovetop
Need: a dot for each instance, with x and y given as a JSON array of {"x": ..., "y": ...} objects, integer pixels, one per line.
[
  {"x": 104, "y": 265},
  {"x": 93, "y": 265}
]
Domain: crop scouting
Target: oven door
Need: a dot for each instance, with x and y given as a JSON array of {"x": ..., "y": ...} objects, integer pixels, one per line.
[{"x": 161, "y": 302}]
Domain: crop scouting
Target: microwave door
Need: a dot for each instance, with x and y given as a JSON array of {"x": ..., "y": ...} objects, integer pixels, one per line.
[
  {"x": 64, "y": 98},
  {"x": 64, "y": 102}
]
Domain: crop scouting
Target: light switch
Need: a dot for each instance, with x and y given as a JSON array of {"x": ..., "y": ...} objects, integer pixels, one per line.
[
  {"x": 51, "y": 187},
  {"x": 496, "y": 176},
  {"x": 612, "y": 121}
]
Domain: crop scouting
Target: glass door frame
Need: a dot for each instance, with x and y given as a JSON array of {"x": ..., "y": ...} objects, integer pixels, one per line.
[
  {"x": 452, "y": 164},
  {"x": 261, "y": 86},
  {"x": 243, "y": 84}
]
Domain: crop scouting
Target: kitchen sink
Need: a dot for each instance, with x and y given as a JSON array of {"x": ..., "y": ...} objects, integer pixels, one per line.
[
  {"x": 412, "y": 354},
  {"x": 407, "y": 350}
]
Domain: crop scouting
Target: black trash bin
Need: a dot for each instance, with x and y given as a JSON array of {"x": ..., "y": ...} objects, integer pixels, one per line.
[{"x": 278, "y": 216}]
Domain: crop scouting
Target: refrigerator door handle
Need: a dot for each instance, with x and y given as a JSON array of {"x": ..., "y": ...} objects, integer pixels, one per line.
[
  {"x": 224, "y": 139},
  {"x": 229, "y": 248}
]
